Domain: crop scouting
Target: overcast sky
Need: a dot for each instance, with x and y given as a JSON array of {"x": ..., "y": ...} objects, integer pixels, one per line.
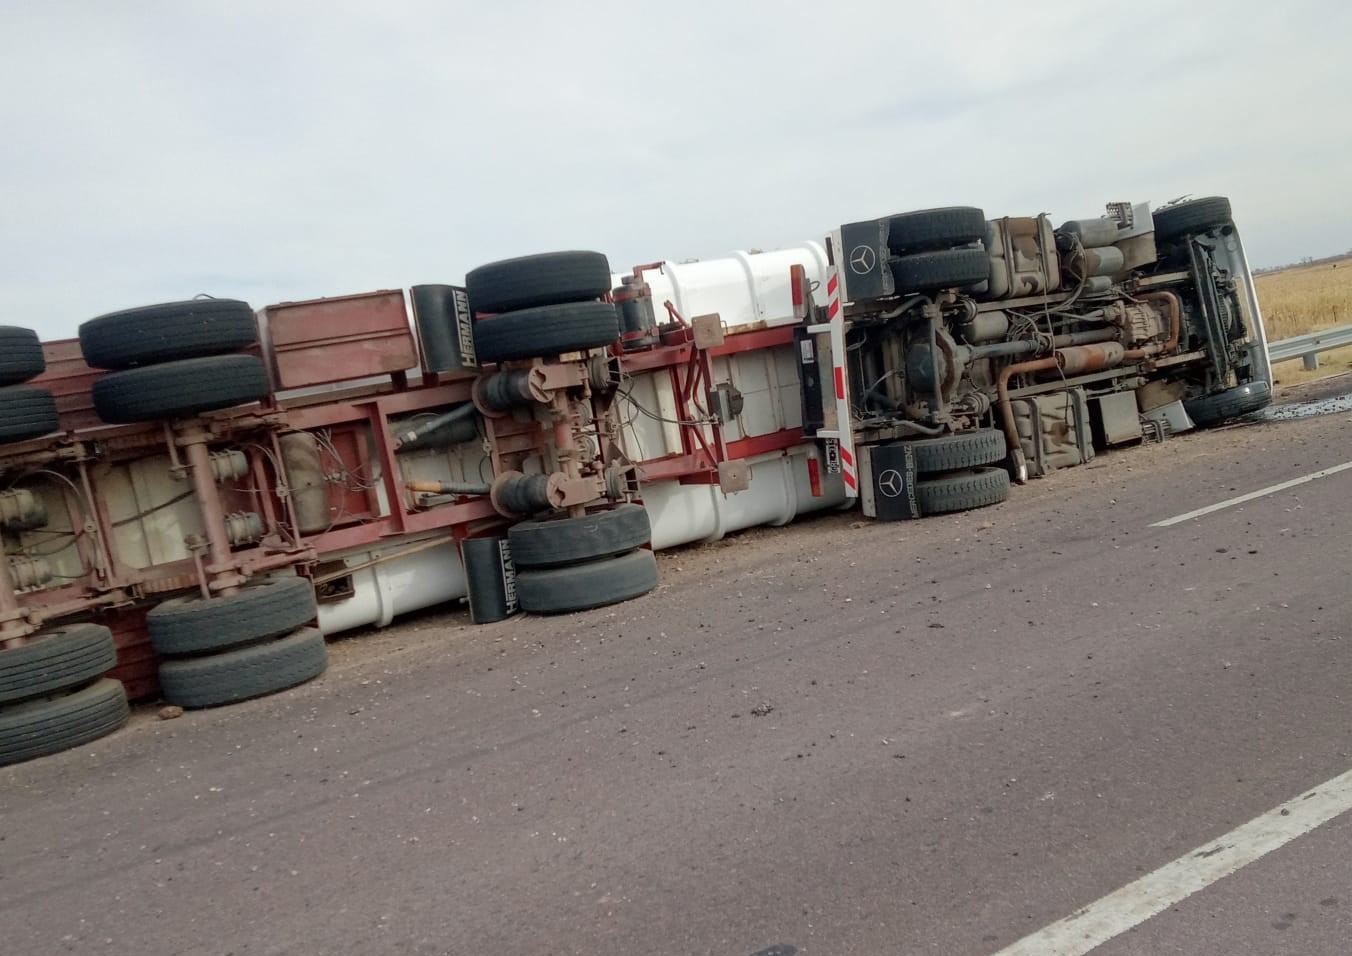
[{"x": 286, "y": 150}]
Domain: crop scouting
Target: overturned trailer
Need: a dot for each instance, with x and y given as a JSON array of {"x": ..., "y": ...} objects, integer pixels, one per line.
[{"x": 192, "y": 495}]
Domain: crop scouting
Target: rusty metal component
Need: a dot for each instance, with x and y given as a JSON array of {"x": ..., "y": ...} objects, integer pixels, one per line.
[
  {"x": 21, "y": 510},
  {"x": 708, "y": 330},
  {"x": 575, "y": 492},
  {"x": 1173, "y": 309},
  {"x": 340, "y": 338},
  {"x": 1089, "y": 358},
  {"x": 1011, "y": 428},
  {"x": 28, "y": 572},
  {"x": 224, "y": 578},
  {"x": 604, "y": 373},
  {"x": 734, "y": 476},
  {"x": 229, "y": 465},
  {"x": 243, "y": 527},
  {"x": 1024, "y": 259},
  {"x": 544, "y": 380},
  {"x": 1140, "y": 321},
  {"x": 1155, "y": 394}
]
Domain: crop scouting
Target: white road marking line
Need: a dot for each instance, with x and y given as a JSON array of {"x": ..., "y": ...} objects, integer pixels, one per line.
[
  {"x": 1231, "y": 502},
  {"x": 1155, "y": 892}
]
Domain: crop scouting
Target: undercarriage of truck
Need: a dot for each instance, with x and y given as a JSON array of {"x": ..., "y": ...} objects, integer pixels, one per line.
[
  {"x": 1011, "y": 345},
  {"x": 194, "y": 495}
]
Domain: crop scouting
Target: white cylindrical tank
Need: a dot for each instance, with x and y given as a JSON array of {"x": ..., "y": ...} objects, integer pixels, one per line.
[{"x": 397, "y": 586}]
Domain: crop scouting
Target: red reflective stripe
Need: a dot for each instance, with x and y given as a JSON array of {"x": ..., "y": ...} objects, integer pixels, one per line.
[
  {"x": 845, "y": 455},
  {"x": 848, "y": 476},
  {"x": 833, "y": 309},
  {"x": 840, "y": 382},
  {"x": 832, "y": 283}
]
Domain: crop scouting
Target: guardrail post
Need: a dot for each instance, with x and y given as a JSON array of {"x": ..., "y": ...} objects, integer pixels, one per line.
[{"x": 1311, "y": 361}]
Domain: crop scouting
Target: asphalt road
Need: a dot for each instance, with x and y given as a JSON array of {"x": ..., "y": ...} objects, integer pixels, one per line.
[{"x": 842, "y": 737}]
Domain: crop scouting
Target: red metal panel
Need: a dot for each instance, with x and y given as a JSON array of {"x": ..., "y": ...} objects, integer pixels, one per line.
[
  {"x": 760, "y": 444},
  {"x": 678, "y": 354},
  {"x": 676, "y": 466},
  {"x": 334, "y": 340},
  {"x": 71, "y": 381},
  {"x": 137, "y": 663}
]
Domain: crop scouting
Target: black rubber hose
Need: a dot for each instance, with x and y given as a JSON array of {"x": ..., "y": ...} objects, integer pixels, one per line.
[{"x": 432, "y": 424}]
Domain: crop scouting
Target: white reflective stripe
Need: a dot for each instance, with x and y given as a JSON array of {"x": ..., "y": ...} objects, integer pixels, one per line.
[
  {"x": 1133, "y": 904},
  {"x": 1271, "y": 489}
]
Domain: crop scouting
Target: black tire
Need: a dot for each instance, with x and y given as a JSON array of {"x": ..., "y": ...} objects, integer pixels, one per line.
[
  {"x": 192, "y": 625},
  {"x": 548, "y": 330},
  {"x": 55, "y": 660},
  {"x": 579, "y": 587},
  {"x": 27, "y": 411},
  {"x": 21, "y": 355},
  {"x": 962, "y": 491},
  {"x": 176, "y": 389},
  {"x": 929, "y": 229},
  {"x": 1197, "y": 215},
  {"x": 1231, "y": 403},
  {"x": 41, "y": 727},
  {"x": 950, "y": 268},
  {"x": 555, "y": 541},
  {"x": 167, "y": 332},
  {"x": 985, "y": 446},
  {"x": 528, "y": 281},
  {"x": 244, "y": 673}
]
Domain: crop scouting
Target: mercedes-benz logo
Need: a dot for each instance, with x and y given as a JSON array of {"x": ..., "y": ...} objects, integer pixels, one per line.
[
  {"x": 890, "y": 483},
  {"x": 862, "y": 260}
]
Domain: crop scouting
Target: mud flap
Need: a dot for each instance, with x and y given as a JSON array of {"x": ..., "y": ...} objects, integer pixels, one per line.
[{"x": 888, "y": 480}]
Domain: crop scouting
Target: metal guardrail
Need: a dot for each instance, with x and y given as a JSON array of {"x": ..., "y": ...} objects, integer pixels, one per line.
[{"x": 1309, "y": 345}]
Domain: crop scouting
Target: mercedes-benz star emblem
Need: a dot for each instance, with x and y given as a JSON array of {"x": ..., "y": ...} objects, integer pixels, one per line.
[
  {"x": 890, "y": 483},
  {"x": 862, "y": 260}
]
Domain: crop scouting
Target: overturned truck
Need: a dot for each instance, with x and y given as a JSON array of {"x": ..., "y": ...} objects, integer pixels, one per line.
[
  {"x": 968, "y": 352},
  {"x": 194, "y": 494}
]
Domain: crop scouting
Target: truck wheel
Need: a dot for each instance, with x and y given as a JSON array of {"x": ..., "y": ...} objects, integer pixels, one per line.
[
  {"x": 176, "y": 389},
  {"x": 1231, "y": 403},
  {"x": 192, "y": 625},
  {"x": 244, "y": 673},
  {"x": 949, "y": 268},
  {"x": 962, "y": 491},
  {"x": 41, "y": 727},
  {"x": 27, "y": 411},
  {"x": 582, "y": 586},
  {"x": 21, "y": 355},
  {"x": 985, "y": 446},
  {"x": 529, "y": 281},
  {"x": 929, "y": 229},
  {"x": 55, "y": 660},
  {"x": 1197, "y": 215},
  {"x": 547, "y": 330},
  {"x": 167, "y": 332},
  {"x": 553, "y": 541}
]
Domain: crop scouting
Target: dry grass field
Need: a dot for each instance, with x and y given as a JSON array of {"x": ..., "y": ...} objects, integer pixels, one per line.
[{"x": 1304, "y": 299}]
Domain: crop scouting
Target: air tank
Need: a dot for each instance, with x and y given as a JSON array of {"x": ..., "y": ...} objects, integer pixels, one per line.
[{"x": 1091, "y": 232}]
